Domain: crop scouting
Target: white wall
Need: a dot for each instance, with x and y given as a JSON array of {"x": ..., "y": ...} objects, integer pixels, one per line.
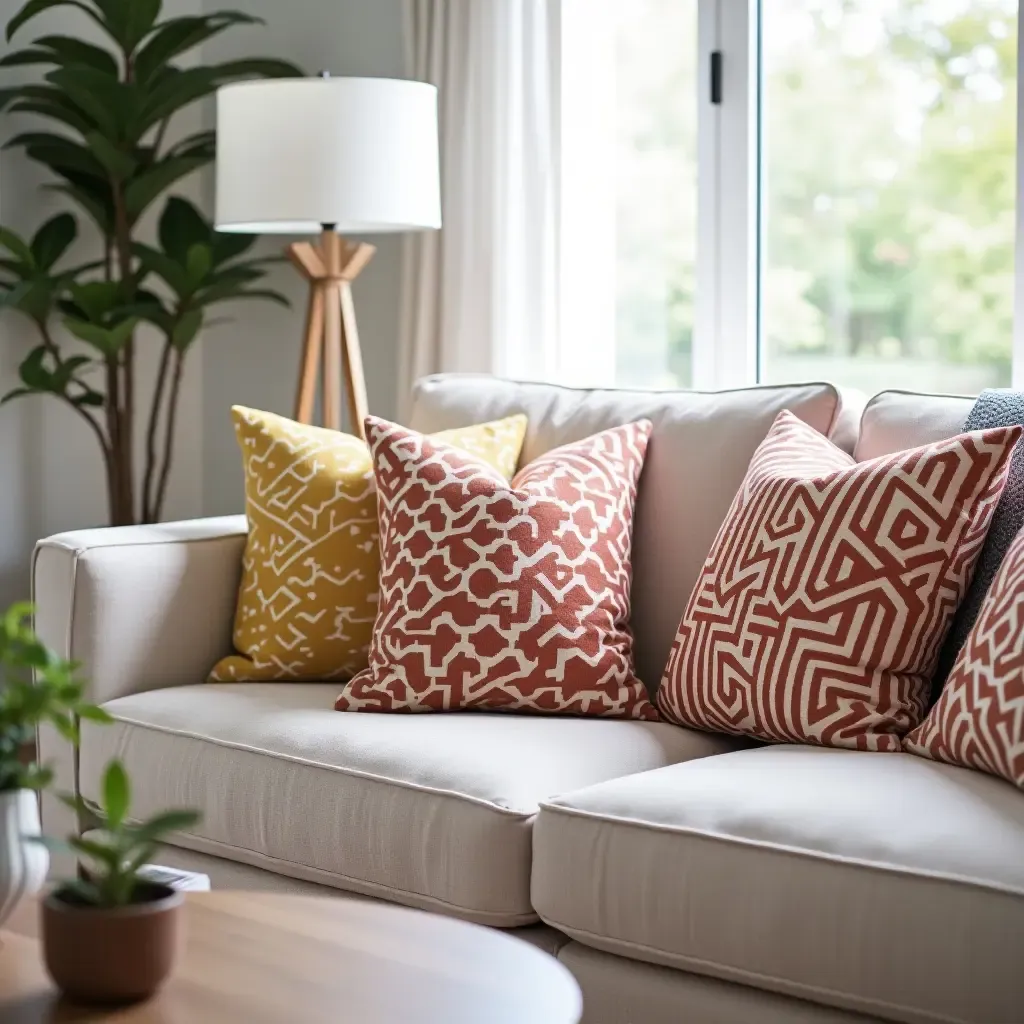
[
  {"x": 50, "y": 471},
  {"x": 254, "y": 360}
]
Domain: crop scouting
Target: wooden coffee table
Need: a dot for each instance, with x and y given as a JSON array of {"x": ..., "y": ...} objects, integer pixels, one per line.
[{"x": 261, "y": 957}]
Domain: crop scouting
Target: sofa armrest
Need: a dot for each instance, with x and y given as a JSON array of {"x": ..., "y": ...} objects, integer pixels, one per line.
[{"x": 140, "y": 607}]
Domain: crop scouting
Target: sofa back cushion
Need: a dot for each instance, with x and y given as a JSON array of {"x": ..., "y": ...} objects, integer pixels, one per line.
[
  {"x": 894, "y": 421},
  {"x": 700, "y": 447}
]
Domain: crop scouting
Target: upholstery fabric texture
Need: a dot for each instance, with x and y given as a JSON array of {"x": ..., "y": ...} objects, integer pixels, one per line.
[
  {"x": 308, "y": 596},
  {"x": 893, "y": 421},
  {"x": 617, "y": 990},
  {"x": 978, "y": 722},
  {"x": 504, "y": 597},
  {"x": 699, "y": 450},
  {"x": 995, "y": 407},
  {"x": 830, "y": 587},
  {"x": 881, "y": 883},
  {"x": 432, "y": 811}
]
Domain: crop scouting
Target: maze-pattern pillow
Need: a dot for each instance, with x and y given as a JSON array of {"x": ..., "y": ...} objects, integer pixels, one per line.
[
  {"x": 821, "y": 607},
  {"x": 978, "y": 722},
  {"x": 308, "y": 594},
  {"x": 504, "y": 597}
]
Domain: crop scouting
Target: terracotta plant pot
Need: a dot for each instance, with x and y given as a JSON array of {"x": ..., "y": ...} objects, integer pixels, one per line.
[{"x": 115, "y": 955}]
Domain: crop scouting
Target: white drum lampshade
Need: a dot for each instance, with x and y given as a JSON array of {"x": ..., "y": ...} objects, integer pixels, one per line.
[
  {"x": 357, "y": 153},
  {"x": 328, "y": 155}
]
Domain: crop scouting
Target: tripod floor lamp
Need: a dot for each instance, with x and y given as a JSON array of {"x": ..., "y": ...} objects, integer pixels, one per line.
[{"x": 328, "y": 156}]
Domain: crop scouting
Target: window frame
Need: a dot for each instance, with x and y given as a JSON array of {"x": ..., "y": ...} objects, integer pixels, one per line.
[{"x": 727, "y": 334}]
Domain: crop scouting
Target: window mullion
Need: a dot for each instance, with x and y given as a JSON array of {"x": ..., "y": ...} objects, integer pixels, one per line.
[{"x": 726, "y": 334}]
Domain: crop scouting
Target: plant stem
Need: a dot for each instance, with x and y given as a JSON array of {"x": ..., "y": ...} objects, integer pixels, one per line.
[
  {"x": 148, "y": 497},
  {"x": 172, "y": 414},
  {"x": 125, "y": 447}
]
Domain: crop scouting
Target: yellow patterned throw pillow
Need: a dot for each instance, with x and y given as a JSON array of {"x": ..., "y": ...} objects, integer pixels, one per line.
[{"x": 308, "y": 597}]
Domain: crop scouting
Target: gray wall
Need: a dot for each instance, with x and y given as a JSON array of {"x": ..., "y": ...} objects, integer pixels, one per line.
[
  {"x": 254, "y": 360},
  {"x": 50, "y": 470}
]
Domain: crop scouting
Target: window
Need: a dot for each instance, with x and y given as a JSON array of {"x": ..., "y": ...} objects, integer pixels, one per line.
[
  {"x": 889, "y": 173},
  {"x": 846, "y": 210},
  {"x": 629, "y": 217}
]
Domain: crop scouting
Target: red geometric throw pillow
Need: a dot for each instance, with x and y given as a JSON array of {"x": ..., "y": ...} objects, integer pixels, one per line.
[
  {"x": 978, "y": 722},
  {"x": 821, "y": 607},
  {"x": 503, "y": 596}
]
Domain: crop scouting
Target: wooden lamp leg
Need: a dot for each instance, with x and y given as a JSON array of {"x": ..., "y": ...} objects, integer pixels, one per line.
[
  {"x": 353, "y": 359},
  {"x": 332, "y": 337},
  {"x": 313, "y": 343}
]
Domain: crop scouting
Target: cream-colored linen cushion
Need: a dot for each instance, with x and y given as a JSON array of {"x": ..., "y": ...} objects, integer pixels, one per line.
[
  {"x": 434, "y": 811},
  {"x": 697, "y": 456},
  {"x": 883, "y": 883},
  {"x": 893, "y": 421}
]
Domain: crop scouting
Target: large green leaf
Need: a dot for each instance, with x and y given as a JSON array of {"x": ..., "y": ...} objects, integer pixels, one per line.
[
  {"x": 13, "y": 297},
  {"x": 63, "y": 51},
  {"x": 134, "y": 21},
  {"x": 36, "y": 7},
  {"x": 228, "y": 246},
  {"x": 165, "y": 267},
  {"x": 202, "y": 144},
  {"x": 181, "y": 227},
  {"x": 227, "y": 293},
  {"x": 99, "y": 208},
  {"x": 70, "y": 50},
  {"x": 100, "y": 852},
  {"x": 118, "y": 163},
  {"x": 256, "y": 67},
  {"x": 59, "y": 153},
  {"x": 179, "y": 35},
  {"x": 52, "y": 240},
  {"x": 37, "y": 301},
  {"x": 198, "y": 264},
  {"x": 49, "y": 101},
  {"x": 16, "y": 246},
  {"x": 186, "y": 329},
  {"x": 96, "y": 300},
  {"x": 116, "y": 792},
  {"x": 108, "y": 340},
  {"x": 111, "y": 105},
  {"x": 176, "y": 89},
  {"x": 160, "y": 825},
  {"x": 63, "y": 375},
  {"x": 145, "y": 188},
  {"x": 33, "y": 371}
]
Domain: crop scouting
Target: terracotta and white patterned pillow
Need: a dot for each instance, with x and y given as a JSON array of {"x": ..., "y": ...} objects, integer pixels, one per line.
[
  {"x": 821, "y": 607},
  {"x": 504, "y": 596},
  {"x": 978, "y": 721}
]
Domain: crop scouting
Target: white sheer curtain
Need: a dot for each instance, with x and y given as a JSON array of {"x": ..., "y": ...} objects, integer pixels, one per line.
[{"x": 483, "y": 293}]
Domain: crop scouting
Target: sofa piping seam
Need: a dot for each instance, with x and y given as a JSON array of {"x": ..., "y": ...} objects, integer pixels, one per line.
[
  {"x": 78, "y": 552},
  {"x": 352, "y": 772},
  {"x": 525, "y": 919},
  {"x": 895, "y": 869},
  {"x": 725, "y": 972}
]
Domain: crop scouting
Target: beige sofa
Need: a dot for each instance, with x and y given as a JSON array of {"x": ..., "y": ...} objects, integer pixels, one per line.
[{"x": 683, "y": 877}]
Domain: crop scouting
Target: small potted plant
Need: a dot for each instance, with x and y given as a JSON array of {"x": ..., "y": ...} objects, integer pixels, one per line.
[
  {"x": 112, "y": 935},
  {"x": 54, "y": 698}
]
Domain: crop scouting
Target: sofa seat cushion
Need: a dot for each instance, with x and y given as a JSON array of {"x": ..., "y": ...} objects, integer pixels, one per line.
[
  {"x": 434, "y": 811},
  {"x": 883, "y": 883}
]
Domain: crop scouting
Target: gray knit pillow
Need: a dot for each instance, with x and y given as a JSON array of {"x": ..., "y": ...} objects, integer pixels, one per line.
[{"x": 995, "y": 407}]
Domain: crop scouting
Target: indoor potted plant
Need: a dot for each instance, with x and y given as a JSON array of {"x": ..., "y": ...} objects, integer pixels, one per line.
[
  {"x": 106, "y": 107},
  {"x": 54, "y": 697},
  {"x": 112, "y": 935}
]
